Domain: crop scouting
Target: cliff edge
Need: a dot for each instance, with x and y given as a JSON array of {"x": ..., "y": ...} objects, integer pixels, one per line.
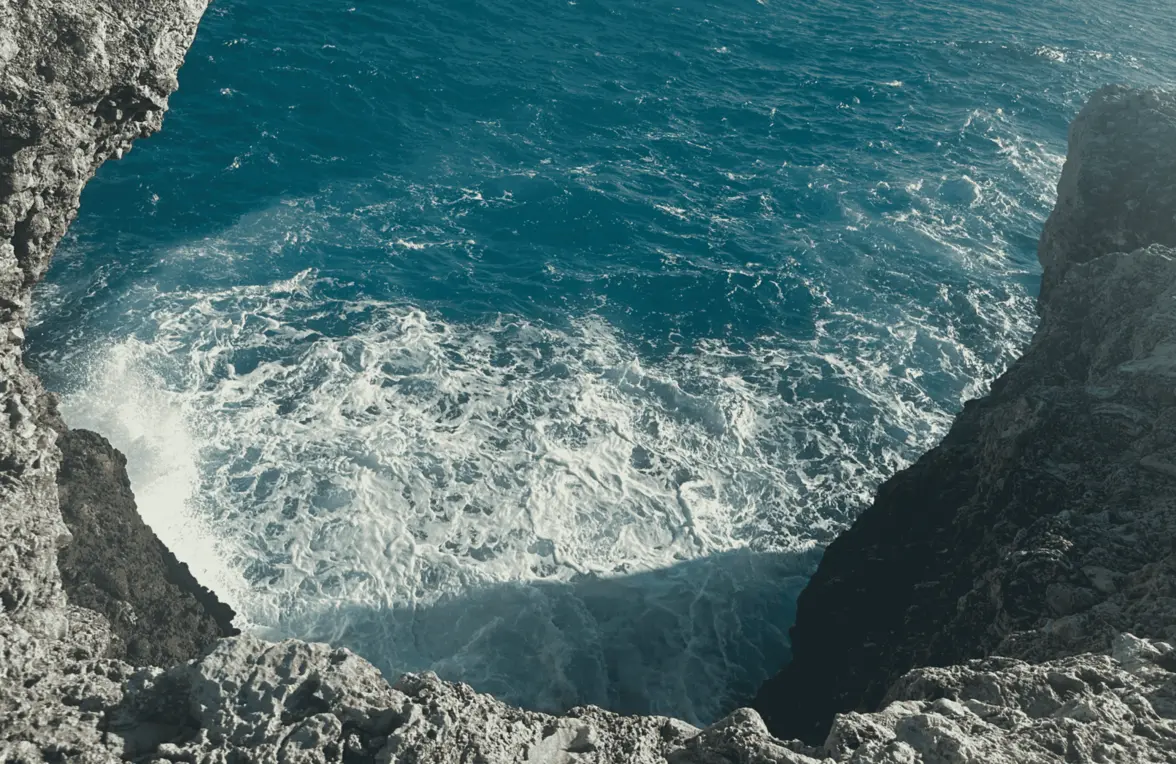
[
  {"x": 87, "y": 594},
  {"x": 79, "y": 81},
  {"x": 1043, "y": 525},
  {"x": 115, "y": 565}
]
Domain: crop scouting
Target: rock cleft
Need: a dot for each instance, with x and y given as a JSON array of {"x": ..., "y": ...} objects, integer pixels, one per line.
[{"x": 1040, "y": 530}]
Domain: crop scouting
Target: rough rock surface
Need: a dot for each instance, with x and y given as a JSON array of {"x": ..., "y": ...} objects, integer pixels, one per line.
[
  {"x": 1043, "y": 525},
  {"x": 1116, "y": 193},
  {"x": 79, "y": 80},
  {"x": 117, "y": 566},
  {"x": 255, "y": 701}
]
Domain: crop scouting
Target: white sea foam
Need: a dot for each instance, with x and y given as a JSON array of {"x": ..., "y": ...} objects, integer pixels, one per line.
[
  {"x": 974, "y": 237},
  {"x": 1062, "y": 55},
  {"x": 127, "y": 401},
  {"x": 545, "y": 512},
  {"x": 1053, "y": 54},
  {"x": 444, "y": 496}
]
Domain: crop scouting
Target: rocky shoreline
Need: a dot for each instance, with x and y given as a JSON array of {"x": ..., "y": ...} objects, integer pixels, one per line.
[
  {"x": 115, "y": 565},
  {"x": 1042, "y": 525},
  {"x": 79, "y": 82},
  {"x": 1040, "y": 530}
]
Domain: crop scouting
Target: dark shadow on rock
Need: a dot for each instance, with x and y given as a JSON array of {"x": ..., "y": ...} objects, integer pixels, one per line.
[
  {"x": 693, "y": 641},
  {"x": 115, "y": 565},
  {"x": 1010, "y": 537}
]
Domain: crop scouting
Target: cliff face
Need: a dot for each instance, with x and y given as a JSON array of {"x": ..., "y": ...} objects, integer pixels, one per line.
[
  {"x": 1042, "y": 526},
  {"x": 79, "y": 81},
  {"x": 115, "y": 565},
  {"x": 1039, "y": 528}
]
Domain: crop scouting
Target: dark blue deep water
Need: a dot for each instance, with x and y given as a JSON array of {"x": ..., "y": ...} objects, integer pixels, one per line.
[{"x": 544, "y": 344}]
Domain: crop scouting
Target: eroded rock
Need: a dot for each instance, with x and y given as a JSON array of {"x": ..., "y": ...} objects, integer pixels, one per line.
[
  {"x": 116, "y": 565},
  {"x": 1043, "y": 524}
]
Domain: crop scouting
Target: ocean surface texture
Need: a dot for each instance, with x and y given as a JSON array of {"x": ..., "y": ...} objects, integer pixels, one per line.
[{"x": 545, "y": 343}]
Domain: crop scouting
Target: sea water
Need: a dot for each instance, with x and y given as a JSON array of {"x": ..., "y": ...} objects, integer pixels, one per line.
[{"x": 545, "y": 343}]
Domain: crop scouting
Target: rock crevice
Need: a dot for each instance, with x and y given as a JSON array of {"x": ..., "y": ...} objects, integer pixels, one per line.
[{"x": 1040, "y": 530}]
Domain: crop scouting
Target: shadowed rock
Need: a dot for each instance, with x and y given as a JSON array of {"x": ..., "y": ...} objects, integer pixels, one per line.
[
  {"x": 117, "y": 566},
  {"x": 1043, "y": 524}
]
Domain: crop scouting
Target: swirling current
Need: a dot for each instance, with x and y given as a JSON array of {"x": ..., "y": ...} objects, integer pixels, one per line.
[{"x": 545, "y": 343}]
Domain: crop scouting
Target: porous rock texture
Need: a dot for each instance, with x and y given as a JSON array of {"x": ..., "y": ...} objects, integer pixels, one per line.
[
  {"x": 253, "y": 701},
  {"x": 1044, "y": 524},
  {"x": 79, "y": 79}
]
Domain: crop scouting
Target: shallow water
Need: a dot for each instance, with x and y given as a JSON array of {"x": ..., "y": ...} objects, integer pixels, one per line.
[{"x": 544, "y": 344}]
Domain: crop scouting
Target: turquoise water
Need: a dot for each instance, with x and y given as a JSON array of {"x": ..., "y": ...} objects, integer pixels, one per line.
[{"x": 544, "y": 344}]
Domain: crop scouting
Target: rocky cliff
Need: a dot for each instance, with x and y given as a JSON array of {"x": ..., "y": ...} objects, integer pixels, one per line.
[
  {"x": 1043, "y": 525},
  {"x": 79, "y": 81},
  {"x": 115, "y": 565},
  {"x": 1038, "y": 529}
]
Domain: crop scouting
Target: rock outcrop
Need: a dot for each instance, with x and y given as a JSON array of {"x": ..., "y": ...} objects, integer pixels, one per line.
[
  {"x": 1040, "y": 529},
  {"x": 116, "y": 566},
  {"x": 254, "y": 701},
  {"x": 79, "y": 81},
  {"x": 1043, "y": 525}
]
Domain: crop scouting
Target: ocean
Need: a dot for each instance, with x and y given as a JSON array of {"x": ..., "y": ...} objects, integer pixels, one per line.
[{"x": 544, "y": 344}]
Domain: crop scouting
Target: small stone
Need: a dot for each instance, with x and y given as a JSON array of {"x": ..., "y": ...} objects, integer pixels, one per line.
[{"x": 1065, "y": 684}]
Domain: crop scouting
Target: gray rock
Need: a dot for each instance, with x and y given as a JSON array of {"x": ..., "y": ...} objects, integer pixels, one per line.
[
  {"x": 117, "y": 566},
  {"x": 79, "y": 81},
  {"x": 1114, "y": 195},
  {"x": 250, "y": 700},
  {"x": 1043, "y": 524}
]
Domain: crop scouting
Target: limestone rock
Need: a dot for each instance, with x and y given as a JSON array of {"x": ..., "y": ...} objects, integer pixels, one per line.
[
  {"x": 79, "y": 80},
  {"x": 1115, "y": 193},
  {"x": 1043, "y": 524},
  {"x": 250, "y": 700}
]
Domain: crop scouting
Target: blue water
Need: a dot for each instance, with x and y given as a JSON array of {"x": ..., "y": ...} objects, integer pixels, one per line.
[{"x": 545, "y": 344}]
